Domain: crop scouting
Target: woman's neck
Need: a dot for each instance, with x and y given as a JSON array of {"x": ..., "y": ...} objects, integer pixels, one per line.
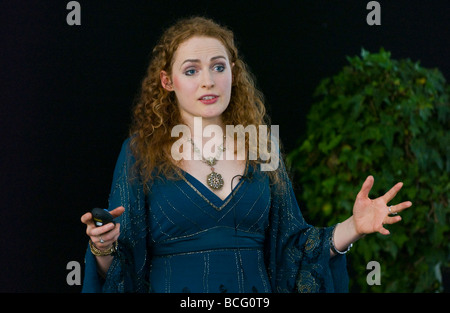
[{"x": 205, "y": 129}]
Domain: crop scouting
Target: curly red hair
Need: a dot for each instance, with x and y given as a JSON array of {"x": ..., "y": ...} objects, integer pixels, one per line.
[{"x": 156, "y": 111}]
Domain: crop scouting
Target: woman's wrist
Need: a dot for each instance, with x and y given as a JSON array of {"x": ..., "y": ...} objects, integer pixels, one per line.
[
  {"x": 344, "y": 235},
  {"x": 99, "y": 252}
]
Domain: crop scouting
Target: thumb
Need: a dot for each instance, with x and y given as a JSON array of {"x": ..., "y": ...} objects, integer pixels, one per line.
[
  {"x": 117, "y": 211},
  {"x": 87, "y": 218},
  {"x": 384, "y": 231},
  {"x": 366, "y": 187}
]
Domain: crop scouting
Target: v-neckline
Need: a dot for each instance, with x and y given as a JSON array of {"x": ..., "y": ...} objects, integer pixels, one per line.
[{"x": 210, "y": 193}]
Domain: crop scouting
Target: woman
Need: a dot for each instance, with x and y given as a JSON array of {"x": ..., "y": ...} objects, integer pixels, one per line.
[{"x": 193, "y": 219}]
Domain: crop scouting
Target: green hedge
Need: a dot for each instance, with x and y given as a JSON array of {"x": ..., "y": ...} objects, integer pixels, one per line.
[{"x": 388, "y": 118}]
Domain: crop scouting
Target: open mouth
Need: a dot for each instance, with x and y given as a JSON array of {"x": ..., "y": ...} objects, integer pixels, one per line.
[{"x": 209, "y": 99}]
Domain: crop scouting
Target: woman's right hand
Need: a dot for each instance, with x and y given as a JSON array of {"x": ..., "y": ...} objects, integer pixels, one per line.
[{"x": 108, "y": 233}]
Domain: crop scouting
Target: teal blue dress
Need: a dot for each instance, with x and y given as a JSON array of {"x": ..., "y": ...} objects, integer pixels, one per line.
[{"x": 180, "y": 237}]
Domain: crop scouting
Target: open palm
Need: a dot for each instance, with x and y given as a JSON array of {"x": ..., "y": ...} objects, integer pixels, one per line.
[{"x": 371, "y": 214}]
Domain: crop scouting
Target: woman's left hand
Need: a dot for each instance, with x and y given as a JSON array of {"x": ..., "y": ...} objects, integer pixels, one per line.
[{"x": 369, "y": 215}]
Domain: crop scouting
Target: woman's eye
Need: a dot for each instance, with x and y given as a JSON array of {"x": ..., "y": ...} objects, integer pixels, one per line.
[
  {"x": 219, "y": 68},
  {"x": 190, "y": 72}
]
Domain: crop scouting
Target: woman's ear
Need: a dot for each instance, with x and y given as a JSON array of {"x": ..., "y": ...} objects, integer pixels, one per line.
[{"x": 166, "y": 82}]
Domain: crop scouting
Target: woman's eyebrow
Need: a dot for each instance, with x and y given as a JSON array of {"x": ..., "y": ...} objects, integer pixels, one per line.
[
  {"x": 218, "y": 57},
  {"x": 198, "y": 60}
]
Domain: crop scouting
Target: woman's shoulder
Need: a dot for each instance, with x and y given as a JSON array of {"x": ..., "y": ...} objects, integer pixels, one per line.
[
  {"x": 127, "y": 145},
  {"x": 126, "y": 152}
]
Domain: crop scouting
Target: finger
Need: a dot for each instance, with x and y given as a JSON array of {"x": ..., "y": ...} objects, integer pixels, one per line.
[
  {"x": 366, "y": 187},
  {"x": 388, "y": 196},
  {"x": 400, "y": 207},
  {"x": 87, "y": 218},
  {"x": 116, "y": 237},
  {"x": 101, "y": 230},
  {"x": 392, "y": 219},
  {"x": 107, "y": 239},
  {"x": 114, "y": 234},
  {"x": 111, "y": 235},
  {"x": 106, "y": 244},
  {"x": 117, "y": 211},
  {"x": 384, "y": 231}
]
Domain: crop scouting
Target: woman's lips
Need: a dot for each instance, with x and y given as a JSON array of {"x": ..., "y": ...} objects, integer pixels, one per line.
[{"x": 208, "y": 99}]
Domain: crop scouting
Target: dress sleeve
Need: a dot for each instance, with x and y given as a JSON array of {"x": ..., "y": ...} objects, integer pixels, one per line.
[
  {"x": 128, "y": 270},
  {"x": 298, "y": 254}
]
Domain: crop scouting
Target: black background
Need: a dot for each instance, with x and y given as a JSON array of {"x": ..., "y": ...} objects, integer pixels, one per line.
[{"x": 66, "y": 93}]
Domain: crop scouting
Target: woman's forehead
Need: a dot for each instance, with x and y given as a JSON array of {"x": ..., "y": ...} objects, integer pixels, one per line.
[{"x": 201, "y": 49}]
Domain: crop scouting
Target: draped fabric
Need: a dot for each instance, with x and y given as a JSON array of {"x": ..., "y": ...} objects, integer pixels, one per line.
[{"x": 181, "y": 237}]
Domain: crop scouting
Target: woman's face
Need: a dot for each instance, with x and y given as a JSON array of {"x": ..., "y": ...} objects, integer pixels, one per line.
[{"x": 201, "y": 79}]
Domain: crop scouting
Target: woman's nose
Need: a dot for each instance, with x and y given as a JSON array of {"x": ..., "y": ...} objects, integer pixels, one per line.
[{"x": 207, "y": 80}]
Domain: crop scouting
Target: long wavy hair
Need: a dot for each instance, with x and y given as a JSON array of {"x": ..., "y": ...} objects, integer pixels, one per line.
[{"x": 156, "y": 111}]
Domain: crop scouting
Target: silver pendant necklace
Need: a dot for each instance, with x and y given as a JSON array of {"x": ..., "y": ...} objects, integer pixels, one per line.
[{"x": 213, "y": 180}]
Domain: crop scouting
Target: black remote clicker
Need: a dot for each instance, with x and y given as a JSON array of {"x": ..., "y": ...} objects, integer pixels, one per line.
[{"x": 101, "y": 217}]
